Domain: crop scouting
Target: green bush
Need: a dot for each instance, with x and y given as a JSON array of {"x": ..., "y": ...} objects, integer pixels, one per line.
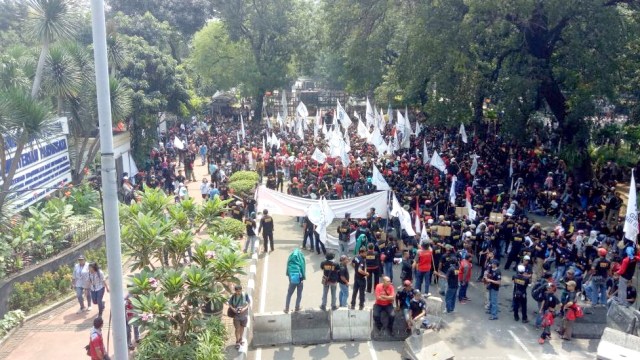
[
  {"x": 243, "y": 187},
  {"x": 230, "y": 226},
  {"x": 244, "y": 175},
  {"x": 98, "y": 256},
  {"x": 10, "y": 321},
  {"x": 29, "y": 295}
]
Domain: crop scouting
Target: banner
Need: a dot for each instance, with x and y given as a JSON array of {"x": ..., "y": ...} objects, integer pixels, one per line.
[
  {"x": 302, "y": 111},
  {"x": 282, "y": 204},
  {"x": 363, "y": 132},
  {"x": 403, "y": 216},
  {"x": 321, "y": 215}
]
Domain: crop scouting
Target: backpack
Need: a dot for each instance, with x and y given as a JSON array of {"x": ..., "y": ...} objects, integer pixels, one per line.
[
  {"x": 538, "y": 290},
  {"x": 295, "y": 278}
]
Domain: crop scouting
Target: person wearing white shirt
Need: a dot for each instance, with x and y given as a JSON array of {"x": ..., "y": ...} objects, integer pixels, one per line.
[
  {"x": 204, "y": 188},
  {"x": 80, "y": 282}
]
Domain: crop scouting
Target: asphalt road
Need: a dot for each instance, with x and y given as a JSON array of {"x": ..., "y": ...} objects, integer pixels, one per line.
[{"x": 467, "y": 331}]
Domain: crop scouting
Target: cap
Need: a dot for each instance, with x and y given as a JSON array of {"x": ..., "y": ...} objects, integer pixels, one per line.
[
  {"x": 80, "y": 257},
  {"x": 407, "y": 283},
  {"x": 416, "y": 292},
  {"x": 526, "y": 257}
]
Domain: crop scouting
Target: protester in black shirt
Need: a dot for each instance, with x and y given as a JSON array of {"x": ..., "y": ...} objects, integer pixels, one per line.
[
  {"x": 330, "y": 277},
  {"x": 343, "y": 281}
]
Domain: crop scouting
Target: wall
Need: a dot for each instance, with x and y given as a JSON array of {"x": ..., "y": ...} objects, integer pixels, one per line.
[{"x": 67, "y": 257}]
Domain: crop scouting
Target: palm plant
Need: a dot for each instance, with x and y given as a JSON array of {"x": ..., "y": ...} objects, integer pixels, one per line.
[
  {"x": 22, "y": 119},
  {"x": 49, "y": 20},
  {"x": 62, "y": 77}
]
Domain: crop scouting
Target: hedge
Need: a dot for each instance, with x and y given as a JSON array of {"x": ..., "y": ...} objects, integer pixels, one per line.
[
  {"x": 230, "y": 226},
  {"x": 244, "y": 175},
  {"x": 243, "y": 187}
]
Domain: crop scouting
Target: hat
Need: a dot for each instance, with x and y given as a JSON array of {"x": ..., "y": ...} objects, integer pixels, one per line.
[
  {"x": 407, "y": 283},
  {"x": 526, "y": 257},
  {"x": 81, "y": 257},
  {"x": 416, "y": 292}
]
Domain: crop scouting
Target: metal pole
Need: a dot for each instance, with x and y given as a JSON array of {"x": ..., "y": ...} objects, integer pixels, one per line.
[{"x": 108, "y": 170}]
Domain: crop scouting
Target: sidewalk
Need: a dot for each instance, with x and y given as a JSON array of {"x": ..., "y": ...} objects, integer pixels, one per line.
[{"x": 63, "y": 334}]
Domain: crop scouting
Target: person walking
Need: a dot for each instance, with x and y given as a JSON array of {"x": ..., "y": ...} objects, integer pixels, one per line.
[
  {"x": 344, "y": 233},
  {"x": 80, "y": 281},
  {"x": 296, "y": 271},
  {"x": 568, "y": 303},
  {"x": 96, "y": 349},
  {"x": 266, "y": 226},
  {"x": 344, "y": 281},
  {"x": 239, "y": 304},
  {"x": 205, "y": 188},
  {"x": 597, "y": 289},
  {"x": 98, "y": 285},
  {"x": 330, "y": 277},
  {"x": 129, "y": 314},
  {"x": 451, "y": 275},
  {"x": 250, "y": 224},
  {"x": 359, "y": 281},
  {"x": 546, "y": 312},
  {"x": 493, "y": 278}
]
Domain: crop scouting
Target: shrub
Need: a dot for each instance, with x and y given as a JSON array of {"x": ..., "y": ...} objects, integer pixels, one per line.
[
  {"x": 230, "y": 226},
  {"x": 11, "y": 320},
  {"x": 243, "y": 187},
  {"x": 244, "y": 175},
  {"x": 29, "y": 295}
]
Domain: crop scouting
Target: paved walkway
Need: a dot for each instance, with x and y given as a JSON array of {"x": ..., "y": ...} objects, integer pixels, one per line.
[{"x": 63, "y": 334}]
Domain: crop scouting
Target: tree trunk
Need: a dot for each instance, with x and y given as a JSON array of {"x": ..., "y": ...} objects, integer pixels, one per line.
[
  {"x": 257, "y": 110},
  {"x": 37, "y": 80}
]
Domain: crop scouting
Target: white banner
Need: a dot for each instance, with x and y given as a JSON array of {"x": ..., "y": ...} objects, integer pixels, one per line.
[
  {"x": 319, "y": 156},
  {"x": 343, "y": 117},
  {"x": 438, "y": 163},
  {"x": 378, "y": 180},
  {"x": 282, "y": 204}
]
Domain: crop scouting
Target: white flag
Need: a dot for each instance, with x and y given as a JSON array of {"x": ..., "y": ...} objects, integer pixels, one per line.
[
  {"x": 316, "y": 123},
  {"x": 474, "y": 165},
  {"x": 280, "y": 121},
  {"x": 285, "y": 106},
  {"x": 424, "y": 237},
  {"x": 300, "y": 128},
  {"x": 238, "y": 137},
  {"x": 390, "y": 114},
  {"x": 363, "y": 132},
  {"x": 242, "y": 127},
  {"x": 345, "y": 157},
  {"x": 631, "y": 220},
  {"x": 425, "y": 152},
  {"x": 452, "y": 191},
  {"x": 511, "y": 168},
  {"x": 417, "y": 132},
  {"x": 395, "y": 145},
  {"x": 472, "y": 213},
  {"x": 416, "y": 224},
  {"x": 302, "y": 111},
  {"x": 402, "y": 215},
  {"x": 378, "y": 180},
  {"x": 342, "y": 116},
  {"x": 463, "y": 133},
  {"x": 369, "y": 115},
  {"x": 274, "y": 140},
  {"x": 437, "y": 162},
  {"x": 319, "y": 156}
]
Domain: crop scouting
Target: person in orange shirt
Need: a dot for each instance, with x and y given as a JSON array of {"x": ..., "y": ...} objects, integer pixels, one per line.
[
  {"x": 385, "y": 294},
  {"x": 339, "y": 189}
]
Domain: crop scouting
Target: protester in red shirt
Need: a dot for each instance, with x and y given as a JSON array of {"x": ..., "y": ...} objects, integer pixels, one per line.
[
  {"x": 97, "y": 351},
  {"x": 385, "y": 294},
  {"x": 464, "y": 276}
]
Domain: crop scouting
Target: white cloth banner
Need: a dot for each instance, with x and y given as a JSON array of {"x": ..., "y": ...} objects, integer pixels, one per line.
[
  {"x": 363, "y": 132},
  {"x": 378, "y": 180},
  {"x": 474, "y": 165},
  {"x": 452, "y": 191},
  {"x": 425, "y": 152},
  {"x": 282, "y": 204},
  {"x": 321, "y": 215},
  {"x": 369, "y": 115},
  {"x": 472, "y": 213},
  {"x": 437, "y": 162},
  {"x": 178, "y": 144}
]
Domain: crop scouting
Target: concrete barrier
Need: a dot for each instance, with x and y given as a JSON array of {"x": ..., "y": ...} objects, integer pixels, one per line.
[
  {"x": 271, "y": 329},
  {"x": 586, "y": 330},
  {"x": 398, "y": 332},
  {"x": 310, "y": 327},
  {"x": 428, "y": 345},
  {"x": 597, "y": 315},
  {"x": 435, "y": 306},
  {"x": 340, "y": 325},
  {"x": 622, "y": 318},
  {"x": 360, "y": 324},
  {"x": 616, "y": 344}
]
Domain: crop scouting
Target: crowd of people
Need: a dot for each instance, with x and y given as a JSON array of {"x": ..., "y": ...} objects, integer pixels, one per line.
[{"x": 581, "y": 254}]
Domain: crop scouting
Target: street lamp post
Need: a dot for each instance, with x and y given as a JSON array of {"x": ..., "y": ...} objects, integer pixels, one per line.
[{"x": 109, "y": 186}]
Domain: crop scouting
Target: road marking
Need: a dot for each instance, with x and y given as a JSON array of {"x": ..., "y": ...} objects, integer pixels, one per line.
[
  {"x": 372, "y": 351},
  {"x": 263, "y": 290},
  {"x": 522, "y": 345},
  {"x": 258, "y": 354}
]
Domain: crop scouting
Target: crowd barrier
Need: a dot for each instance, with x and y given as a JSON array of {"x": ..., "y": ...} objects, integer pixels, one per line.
[
  {"x": 616, "y": 344},
  {"x": 310, "y": 326},
  {"x": 428, "y": 345}
]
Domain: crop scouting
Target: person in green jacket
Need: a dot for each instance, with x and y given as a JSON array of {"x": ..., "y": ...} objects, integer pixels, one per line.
[
  {"x": 361, "y": 241},
  {"x": 296, "y": 266}
]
